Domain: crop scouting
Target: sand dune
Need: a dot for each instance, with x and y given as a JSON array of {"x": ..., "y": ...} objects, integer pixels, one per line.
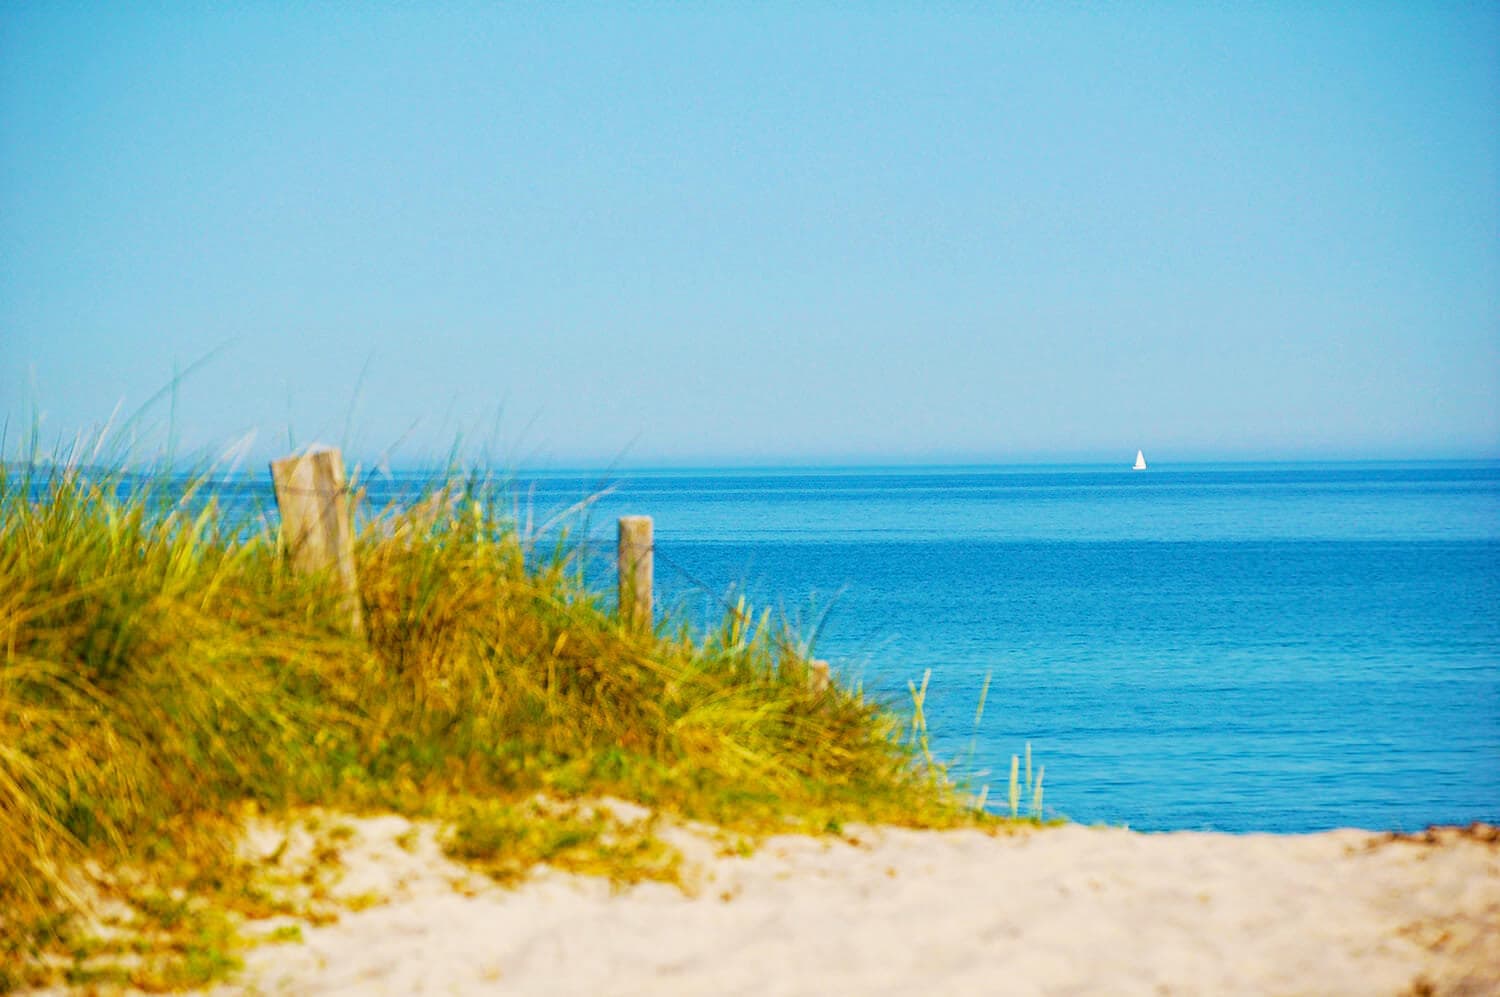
[{"x": 1069, "y": 910}]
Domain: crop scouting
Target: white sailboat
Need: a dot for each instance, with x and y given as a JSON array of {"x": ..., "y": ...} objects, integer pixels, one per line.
[{"x": 1140, "y": 461}]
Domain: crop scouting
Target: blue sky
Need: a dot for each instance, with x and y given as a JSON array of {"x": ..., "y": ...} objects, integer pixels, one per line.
[{"x": 665, "y": 233}]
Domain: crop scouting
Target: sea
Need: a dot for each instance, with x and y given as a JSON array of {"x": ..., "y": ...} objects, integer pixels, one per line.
[{"x": 1231, "y": 647}]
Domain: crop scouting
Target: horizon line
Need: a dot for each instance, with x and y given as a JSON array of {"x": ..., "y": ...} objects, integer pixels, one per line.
[{"x": 366, "y": 467}]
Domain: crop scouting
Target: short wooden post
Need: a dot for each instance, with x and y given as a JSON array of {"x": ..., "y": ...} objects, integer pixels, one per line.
[
  {"x": 317, "y": 527},
  {"x": 817, "y": 675},
  {"x": 634, "y": 561}
]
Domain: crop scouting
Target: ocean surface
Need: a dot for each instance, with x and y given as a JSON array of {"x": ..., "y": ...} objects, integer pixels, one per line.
[{"x": 1235, "y": 647}]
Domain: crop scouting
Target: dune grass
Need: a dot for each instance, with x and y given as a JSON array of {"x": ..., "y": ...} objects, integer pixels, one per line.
[{"x": 164, "y": 673}]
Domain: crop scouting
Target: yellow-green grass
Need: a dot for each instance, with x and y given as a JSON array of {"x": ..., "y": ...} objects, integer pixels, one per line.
[{"x": 163, "y": 670}]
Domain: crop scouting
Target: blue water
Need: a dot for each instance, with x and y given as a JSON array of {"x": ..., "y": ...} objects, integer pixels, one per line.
[
  {"x": 1238, "y": 647},
  {"x": 1277, "y": 648}
]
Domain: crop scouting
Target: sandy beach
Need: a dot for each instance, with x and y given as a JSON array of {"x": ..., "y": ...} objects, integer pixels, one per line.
[{"x": 1067, "y": 910}]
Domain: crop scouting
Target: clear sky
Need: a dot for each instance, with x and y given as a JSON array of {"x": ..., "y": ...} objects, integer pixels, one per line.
[{"x": 764, "y": 232}]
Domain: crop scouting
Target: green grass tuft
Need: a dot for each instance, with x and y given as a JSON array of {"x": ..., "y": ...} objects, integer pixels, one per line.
[{"x": 161, "y": 670}]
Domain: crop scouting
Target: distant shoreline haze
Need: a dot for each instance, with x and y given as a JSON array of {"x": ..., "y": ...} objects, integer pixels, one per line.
[{"x": 258, "y": 466}]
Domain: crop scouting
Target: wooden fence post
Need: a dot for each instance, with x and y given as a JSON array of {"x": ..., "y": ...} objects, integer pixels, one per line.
[
  {"x": 317, "y": 527},
  {"x": 634, "y": 562},
  {"x": 817, "y": 676}
]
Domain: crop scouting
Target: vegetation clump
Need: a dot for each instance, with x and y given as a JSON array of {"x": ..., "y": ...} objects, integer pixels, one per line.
[{"x": 163, "y": 672}]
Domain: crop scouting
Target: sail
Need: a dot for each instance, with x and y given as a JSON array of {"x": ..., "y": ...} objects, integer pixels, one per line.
[{"x": 1140, "y": 461}]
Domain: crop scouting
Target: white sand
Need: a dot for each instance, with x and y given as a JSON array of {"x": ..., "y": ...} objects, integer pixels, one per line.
[{"x": 1062, "y": 911}]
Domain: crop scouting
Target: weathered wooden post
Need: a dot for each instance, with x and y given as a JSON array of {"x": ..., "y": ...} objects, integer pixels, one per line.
[
  {"x": 317, "y": 527},
  {"x": 817, "y": 676},
  {"x": 635, "y": 562}
]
